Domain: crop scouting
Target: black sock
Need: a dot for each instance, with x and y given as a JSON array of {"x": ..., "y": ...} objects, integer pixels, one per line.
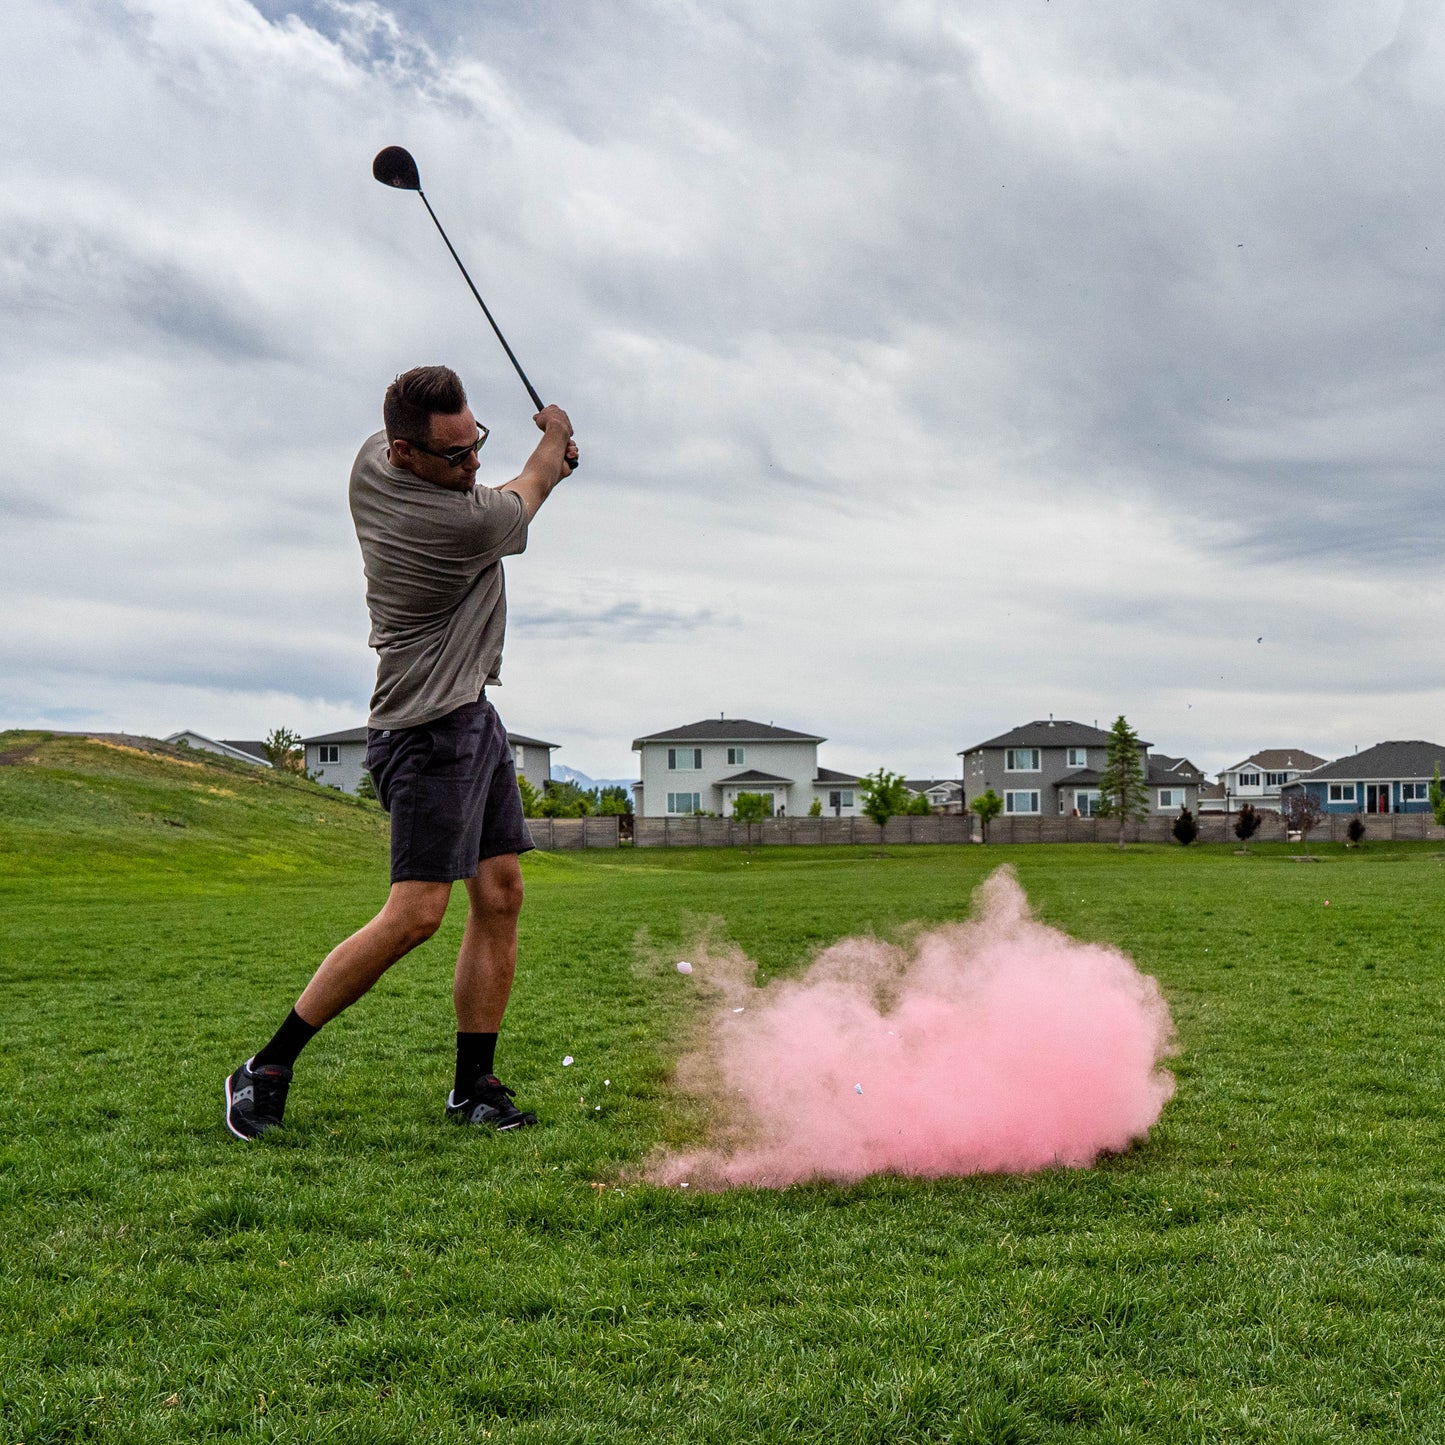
[
  {"x": 476, "y": 1055},
  {"x": 289, "y": 1040}
]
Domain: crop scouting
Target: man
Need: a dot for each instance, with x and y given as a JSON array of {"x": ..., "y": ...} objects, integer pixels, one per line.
[{"x": 432, "y": 542}]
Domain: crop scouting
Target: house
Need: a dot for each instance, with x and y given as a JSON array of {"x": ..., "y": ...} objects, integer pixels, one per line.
[
  {"x": 1258, "y": 779},
  {"x": 944, "y": 795},
  {"x": 1390, "y": 777},
  {"x": 701, "y": 767},
  {"x": 338, "y": 759},
  {"x": 1054, "y": 767},
  {"x": 242, "y": 752}
]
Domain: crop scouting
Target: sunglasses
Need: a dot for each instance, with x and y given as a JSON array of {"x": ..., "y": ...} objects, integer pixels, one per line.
[{"x": 459, "y": 455}]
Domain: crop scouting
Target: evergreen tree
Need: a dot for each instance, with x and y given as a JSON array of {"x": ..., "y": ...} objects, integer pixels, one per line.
[
  {"x": 1123, "y": 793},
  {"x": 1185, "y": 829},
  {"x": 1437, "y": 798}
]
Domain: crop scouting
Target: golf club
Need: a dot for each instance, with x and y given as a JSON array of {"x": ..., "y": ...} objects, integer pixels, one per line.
[{"x": 395, "y": 167}]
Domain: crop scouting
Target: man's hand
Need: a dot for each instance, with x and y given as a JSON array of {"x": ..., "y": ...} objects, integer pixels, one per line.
[
  {"x": 554, "y": 458},
  {"x": 554, "y": 419}
]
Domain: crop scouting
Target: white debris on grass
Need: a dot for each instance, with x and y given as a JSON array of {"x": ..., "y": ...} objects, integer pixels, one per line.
[
  {"x": 567, "y": 1062},
  {"x": 684, "y": 967}
]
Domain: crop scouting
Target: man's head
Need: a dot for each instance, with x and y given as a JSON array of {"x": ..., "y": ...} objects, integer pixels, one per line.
[{"x": 431, "y": 429}]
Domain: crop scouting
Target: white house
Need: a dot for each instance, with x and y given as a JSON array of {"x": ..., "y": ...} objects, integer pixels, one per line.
[
  {"x": 1259, "y": 778},
  {"x": 242, "y": 752},
  {"x": 701, "y": 767},
  {"x": 339, "y": 759}
]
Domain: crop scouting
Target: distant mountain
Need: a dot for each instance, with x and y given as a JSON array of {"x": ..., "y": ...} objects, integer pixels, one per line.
[{"x": 563, "y": 774}]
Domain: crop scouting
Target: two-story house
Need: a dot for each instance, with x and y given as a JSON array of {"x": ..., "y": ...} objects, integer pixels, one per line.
[
  {"x": 1387, "y": 778},
  {"x": 338, "y": 759},
  {"x": 1054, "y": 767},
  {"x": 701, "y": 767},
  {"x": 1259, "y": 778}
]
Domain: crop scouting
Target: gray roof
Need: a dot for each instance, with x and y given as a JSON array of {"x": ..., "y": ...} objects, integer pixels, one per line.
[
  {"x": 727, "y": 730},
  {"x": 257, "y": 749},
  {"x": 1279, "y": 760},
  {"x": 832, "y": 775},
  {"x": 346, "y": 735},
  {"x": 923, "y": 785},
  {"x": 1051, "y": 734},
  {"x": 752, "y": 775},
  {"x": 526, "y": 742},
  {"x": 1385, "y": 762},
  {"x": 1164, "y": 769}
]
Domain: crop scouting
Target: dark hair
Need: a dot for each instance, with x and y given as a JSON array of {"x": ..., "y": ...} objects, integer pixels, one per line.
[{"x": 418, "y": 395}]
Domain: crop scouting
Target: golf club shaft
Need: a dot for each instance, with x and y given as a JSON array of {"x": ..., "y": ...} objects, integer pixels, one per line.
[{"x": 531, "y": 390}]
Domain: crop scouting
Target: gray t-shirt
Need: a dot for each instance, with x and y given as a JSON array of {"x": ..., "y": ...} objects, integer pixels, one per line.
[{"x": 434, "y": 585}]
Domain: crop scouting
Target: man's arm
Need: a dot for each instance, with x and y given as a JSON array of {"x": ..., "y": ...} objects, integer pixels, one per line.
[{"x": 549, "y": 463}]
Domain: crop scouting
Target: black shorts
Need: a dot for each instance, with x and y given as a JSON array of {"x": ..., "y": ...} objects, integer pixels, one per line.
[{"x": 451, "y": 790}]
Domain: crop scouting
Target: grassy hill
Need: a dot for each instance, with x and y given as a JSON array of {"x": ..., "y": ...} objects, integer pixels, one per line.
[{"x": 95, "y": 804}]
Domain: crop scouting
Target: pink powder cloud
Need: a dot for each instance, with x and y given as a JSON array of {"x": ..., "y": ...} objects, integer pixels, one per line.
[{"x": 995, "y": 1045}]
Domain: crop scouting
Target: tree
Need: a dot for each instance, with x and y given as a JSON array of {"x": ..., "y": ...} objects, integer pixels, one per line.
[
  {"x": 614, "y": 802},
  {"x": 366, "y": 789},
  {"x": 1246, "y": 825},
  {"x": 1123, "y": 793},
  {"x": 1185, "y": 829},
  {"x": 1356, "y": 831},
  {"x": 750, "y": 808},
  {"x": 531, "y": 803},
  {"x": 919, "y": 806},
  {"x": 988, "y": 805},
  {"x": 815, "y": 808},
  {"x": 284, "y": 751},
  {"x": 1302, "y": 811},
  {"x": 565, "y": 800},
  {"x": 884, "y": 795},
  {"x": 1437, "y": 798}
]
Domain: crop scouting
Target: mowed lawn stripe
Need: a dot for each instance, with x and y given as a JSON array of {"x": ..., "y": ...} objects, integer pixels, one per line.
[{"x": 1268, "y": 1266}]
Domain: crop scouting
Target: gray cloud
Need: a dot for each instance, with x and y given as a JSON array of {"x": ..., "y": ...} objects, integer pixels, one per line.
[{"x": 935, "y": 366}]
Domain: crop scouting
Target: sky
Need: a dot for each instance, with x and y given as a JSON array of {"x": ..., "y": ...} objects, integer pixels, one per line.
[{"x": 936, "y": 367}]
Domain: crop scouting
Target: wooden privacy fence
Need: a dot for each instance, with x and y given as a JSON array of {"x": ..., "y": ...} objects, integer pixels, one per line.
[
  {"x": 1213, "y": 828},
  {"x": 557, "y": 834},
  {"x": 775, "y": 832}
]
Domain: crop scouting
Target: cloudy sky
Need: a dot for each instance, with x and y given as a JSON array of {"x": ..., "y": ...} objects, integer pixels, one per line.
[{"x": 936, "y": 366}]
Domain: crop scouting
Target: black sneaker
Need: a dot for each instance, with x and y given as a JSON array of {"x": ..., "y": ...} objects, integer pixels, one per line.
[
  {"x": 489, "y": 1102},
  {"x": 256, "y": 1099}
]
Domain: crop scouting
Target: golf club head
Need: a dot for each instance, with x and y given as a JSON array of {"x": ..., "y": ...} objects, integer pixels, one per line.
[{"x": 395, "y": 167}]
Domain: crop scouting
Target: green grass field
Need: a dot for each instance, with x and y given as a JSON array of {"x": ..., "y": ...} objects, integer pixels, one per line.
[{"x": 1269, "y": 1266}]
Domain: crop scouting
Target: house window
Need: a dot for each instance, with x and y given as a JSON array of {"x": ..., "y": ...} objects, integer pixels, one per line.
[
  {"x": 1087, "y": 803},
  {"x": 1171, "y": 797},
  {"x": 1077, "y": 757},
  {"x": 735, "y": 757},
  {"x": 328, "y": 753},
  {"x": 1275, "y": 780},
  {"x": 1021, "y": 760},
  {"x": 1342, "y": 792},
  {"x": 684, "y": 802},
  {"x": 1414, "y": 792},
  {"x": 1249, "y": 780},
  {"x": 1021, "y": 802},
  {"x": 519, "y": 756},
  {"x": 684, "y": 760}
]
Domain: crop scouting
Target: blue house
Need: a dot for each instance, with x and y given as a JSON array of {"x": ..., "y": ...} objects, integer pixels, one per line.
[{"x": 1387, "y": 778}]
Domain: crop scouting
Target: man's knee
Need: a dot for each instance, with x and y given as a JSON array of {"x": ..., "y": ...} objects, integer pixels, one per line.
[
  {"x": 416, "y": 910},
  {"x": 496, "y": 890}
]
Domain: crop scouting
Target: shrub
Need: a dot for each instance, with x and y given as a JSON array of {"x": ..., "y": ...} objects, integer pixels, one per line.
[
  {"x": 1185, "y": 829},
  {"x": 1356, "y": 831}
]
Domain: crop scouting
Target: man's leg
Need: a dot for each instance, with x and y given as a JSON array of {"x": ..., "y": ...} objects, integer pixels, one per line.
[
  {"x": 256, "y": 1092},
  {"x": 486, "y": 964}
]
